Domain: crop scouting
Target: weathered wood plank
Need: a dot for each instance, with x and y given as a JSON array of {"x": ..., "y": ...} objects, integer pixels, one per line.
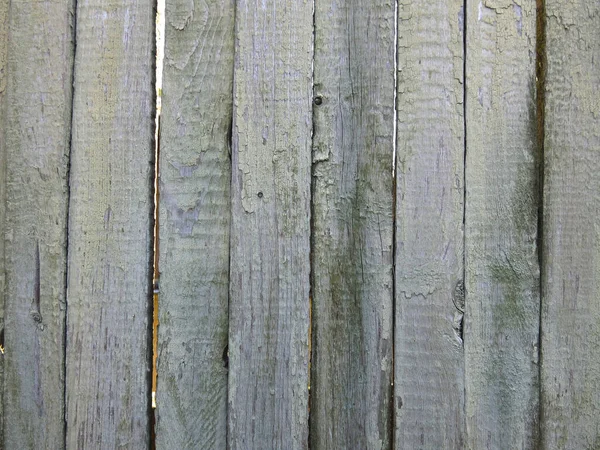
[
  {"x": 37, "y": 121},
  {"x": 502, "y": 268},
  {"x": 269, "y": 285},
  {"x": 571, "y": 252},
  {"x": 429, "y": 382},
  {"x": 110, "y": 226},
  {"x": 4, "y": 7},
  {"x": 195, "y": 178},
  {"x": 353, "y": 226}
]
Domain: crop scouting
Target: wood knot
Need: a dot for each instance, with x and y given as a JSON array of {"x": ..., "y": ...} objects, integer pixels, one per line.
[
  {"x": 36, "y": 316},
  {"x": 458, "y": 296}
]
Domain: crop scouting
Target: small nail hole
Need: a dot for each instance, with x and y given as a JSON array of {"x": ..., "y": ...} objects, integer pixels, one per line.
[
  {"x": 318, "y": 100},
  {"x": 260, "y": 195}
]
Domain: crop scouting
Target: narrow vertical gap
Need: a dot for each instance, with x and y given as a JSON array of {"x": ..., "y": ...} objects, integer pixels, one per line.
[
  {"x": 465, "y": 17},
  {"x": 395, "y": 125},
  {"x": 4, "y": 27},
  {"x": 312, "y": 229},
  {"x": 540, "y": 92},
  {"x": 68, "y": 194},
  {"x": 464, "y": 142},
  {"x": 392, "y": 413},
  {"x": 160, "y": 45}
]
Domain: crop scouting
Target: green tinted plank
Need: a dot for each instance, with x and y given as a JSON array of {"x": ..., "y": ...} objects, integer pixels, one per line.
[
  {"x": 195, "y": 178},
  {"x": 110, "y": 226},
  {"x": 571, "y": 252},
  {"x": 36, "y": 115},
  {"x": 429, "y": 382},
  {"x": 352, "y": 234},
  {"x": 502, "y": 268},
  {"x": 269, "y": 278}
]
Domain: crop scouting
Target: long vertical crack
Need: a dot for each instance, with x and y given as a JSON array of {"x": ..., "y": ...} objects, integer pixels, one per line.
[
  {"x": 68, "y": 193},
  {"x": 540, "y": 92},
  {"x": 394, "y": 209},
  {"x": 312, "y": 228}
]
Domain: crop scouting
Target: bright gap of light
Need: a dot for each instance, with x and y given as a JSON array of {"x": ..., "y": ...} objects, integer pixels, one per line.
[
  {"x": 395, "y": 130},
  {"x": 160, "y": 54}
]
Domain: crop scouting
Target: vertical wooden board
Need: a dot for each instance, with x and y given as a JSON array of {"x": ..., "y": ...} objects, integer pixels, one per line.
[
  {"x": 429, "y": 378},
  {"x": 502, "y": 268},
  {"x": 4, "y": 6},
  {"x": 571, "y": 252},
  {"x": 195, "y": 178},
  {"x": 37, "y": 120},
  {"x": 110, "y": 226},
  {"x": 353, "y": 227},
  {"x": 269, "y": 284}
]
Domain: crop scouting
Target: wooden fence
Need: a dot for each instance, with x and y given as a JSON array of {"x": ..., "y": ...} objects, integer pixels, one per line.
[{"x": 379, "y": 224}]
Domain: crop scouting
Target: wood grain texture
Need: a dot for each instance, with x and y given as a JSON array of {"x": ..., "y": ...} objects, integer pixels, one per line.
[
  {"x": 37, "y": 120},
  {"x": 110, "y": 227},
  {"x": 429, "y": 383},
  {"x": 270, "y": 243},
  {"x": 571, "y": 252},
  {"x": 352, "y": 225},
  {"x": 195, "y": 179},
  {"x": 502, "y": 268},
  {"x": 4, "y": 7}
]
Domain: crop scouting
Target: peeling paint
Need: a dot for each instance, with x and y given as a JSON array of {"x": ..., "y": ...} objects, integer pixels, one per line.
[
  {"x": 519, "y": 13},
  {"x": 187, "y": 170}
]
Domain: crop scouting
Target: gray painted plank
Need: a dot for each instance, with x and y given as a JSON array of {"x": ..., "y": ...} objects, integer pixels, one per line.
[
  {"x": 502, "y": 268},
  {"x": 429, "y": 379},
  {"x": 269, "y": 285},
  {"x": 4, "y": 6},
  {"x": 37, "y": 121},
  {"x": 195, "y": 178},
  {"x": 571, "y": 252},
  {"x": 353, "y": 227},
  {"x": 110, "y": 226}
]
